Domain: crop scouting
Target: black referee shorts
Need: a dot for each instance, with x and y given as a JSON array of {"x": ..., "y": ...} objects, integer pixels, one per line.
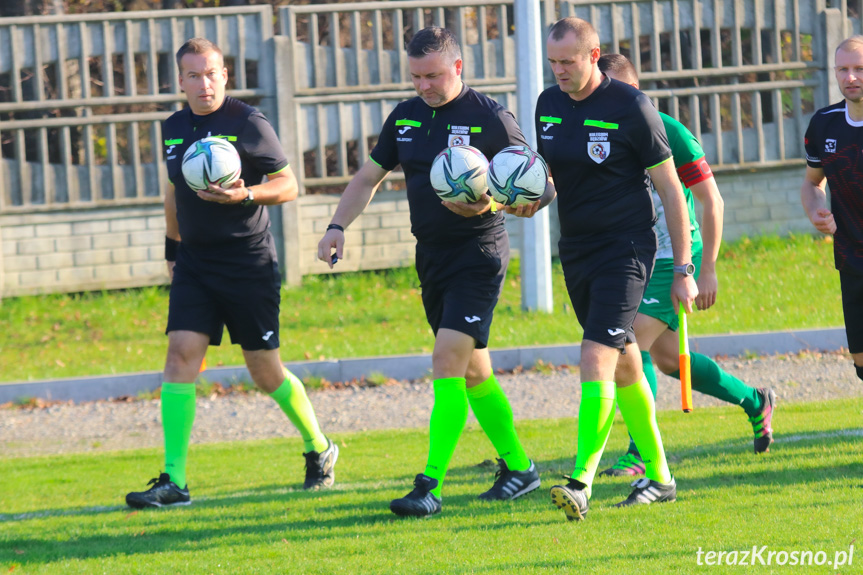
[
  {"x": 851, "y": 284},
  {"x": 461, "y": 284},
  {"x": 606, "y": 281},
  {"x": 236, "y": 286}
]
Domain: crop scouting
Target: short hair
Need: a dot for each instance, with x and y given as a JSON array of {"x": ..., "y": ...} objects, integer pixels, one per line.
[
  {"x": 198, "y": 46},
  {"x": 848, "y": 44},
  {"x": 585, "y": 34},
  {"x": 434, "y": 39},
  {"x": 620, "y": 66}
]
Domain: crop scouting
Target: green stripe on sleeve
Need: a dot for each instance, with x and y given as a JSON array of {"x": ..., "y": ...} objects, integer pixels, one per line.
[
  {"x": 406, "y": 122},
  {"x": 279, "y": 171},
  {"x": 549, "y": 119},
  {"x": 598, "y": 124},
  {"x": 173, "y": 142},
  {"x": 375, "y": 163},
  {"x": 660, "y": 163}
]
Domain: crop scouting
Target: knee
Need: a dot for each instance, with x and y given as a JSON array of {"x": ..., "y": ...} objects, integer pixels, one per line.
[{"x": 666, "y": 365}]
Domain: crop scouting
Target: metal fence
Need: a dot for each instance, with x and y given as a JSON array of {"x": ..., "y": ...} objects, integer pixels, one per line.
[{"x": 81, "y": 97}]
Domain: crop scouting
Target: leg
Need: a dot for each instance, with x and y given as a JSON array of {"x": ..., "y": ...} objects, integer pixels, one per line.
[
  {"x": 186, "y": 350},
  {"x": 452, "y": 354},
  {"x": 710, "y": 379},
  {"x": 517, "y": 475}
]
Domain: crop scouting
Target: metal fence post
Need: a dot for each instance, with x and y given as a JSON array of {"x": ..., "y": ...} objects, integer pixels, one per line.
[
  {"x": 834, "y": 33},
  {"x": 535, "y": 244}
]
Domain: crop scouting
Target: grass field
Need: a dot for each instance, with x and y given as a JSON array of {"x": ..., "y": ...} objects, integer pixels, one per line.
[
  {"x": 765, "y": 284},
  {"x": 65, "y": 514}
]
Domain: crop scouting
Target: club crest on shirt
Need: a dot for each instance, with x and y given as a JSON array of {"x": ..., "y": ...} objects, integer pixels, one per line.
[
  {"x": 829, "y": 146},
  {"x": 458, "y": 140},
  {"x": 598, "y": 151}
]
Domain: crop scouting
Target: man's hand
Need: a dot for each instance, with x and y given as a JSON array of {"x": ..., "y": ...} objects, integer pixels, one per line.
[
  {"x": 469, "y": 210},
  {"x": 708, "y": 286},
  {"x": 683, "y": 292},
  {"x": 233, "y": 195},
  {"x": 824, "y": 222},
  {"x": 524, "y": 210},
  {"x": 332, "y": 240}
]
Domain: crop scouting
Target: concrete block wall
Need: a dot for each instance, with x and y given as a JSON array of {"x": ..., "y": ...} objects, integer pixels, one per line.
[
  {"x": 763, "y": 202},
  {"x": 380, "y": 238},
  {"x": 83, "y": 250}
]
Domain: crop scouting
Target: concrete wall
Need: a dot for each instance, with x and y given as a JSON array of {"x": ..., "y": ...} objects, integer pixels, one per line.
[{"x": 124, "y": 247}]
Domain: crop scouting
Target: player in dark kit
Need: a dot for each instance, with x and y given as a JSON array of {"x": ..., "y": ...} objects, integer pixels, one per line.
[
  {"x": 834, "y": 148},
  {"x": 224, "y": 272},
  {"x": 601, "y": 138},
  {"x": 461, "y": 258}
]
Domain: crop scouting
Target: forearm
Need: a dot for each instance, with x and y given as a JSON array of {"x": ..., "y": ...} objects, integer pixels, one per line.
[
  {"x": 711, "y": 221},
  {"x": 813, "y": 198},
  {"x": 172, "y": 226},
  {"x": 276, "y": 189}
]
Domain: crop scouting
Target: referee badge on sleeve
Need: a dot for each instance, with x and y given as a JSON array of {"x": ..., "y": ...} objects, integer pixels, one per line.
[{"x": 598, "y": 151}]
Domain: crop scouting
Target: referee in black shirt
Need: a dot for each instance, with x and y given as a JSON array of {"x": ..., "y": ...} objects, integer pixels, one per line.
[
  {"x": 601, "y": 138},
  {"x": 222, "y": 262},
  {"x": 461, "y": 258}
]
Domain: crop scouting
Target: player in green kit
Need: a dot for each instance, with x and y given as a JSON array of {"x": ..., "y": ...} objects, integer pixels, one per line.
[{"x": 656, "y": 322}]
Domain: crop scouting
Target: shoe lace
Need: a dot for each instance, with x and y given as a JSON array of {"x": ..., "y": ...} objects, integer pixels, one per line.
[
  {"x": 500, "y": 474},
  {"x": 162, "y": 479}
]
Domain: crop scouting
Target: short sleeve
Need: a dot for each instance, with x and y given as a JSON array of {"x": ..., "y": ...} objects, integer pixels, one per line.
[
  {"x": 385, "y": 153},
  {"x": 261, "y": 144},
  {"x": 512, "y": 134},
  {"x": 648, "y": 137},
  {"x": 810, "y": 144}
]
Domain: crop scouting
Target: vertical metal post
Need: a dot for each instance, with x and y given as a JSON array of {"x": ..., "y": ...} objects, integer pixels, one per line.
[{"x": 535, "y": 247}]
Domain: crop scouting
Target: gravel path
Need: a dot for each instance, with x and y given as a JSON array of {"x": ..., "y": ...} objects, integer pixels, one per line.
[{"x": 100, "y": 426}]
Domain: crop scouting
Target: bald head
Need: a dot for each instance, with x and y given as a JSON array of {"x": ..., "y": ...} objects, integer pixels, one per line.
[{"x": 585, "y": 34}]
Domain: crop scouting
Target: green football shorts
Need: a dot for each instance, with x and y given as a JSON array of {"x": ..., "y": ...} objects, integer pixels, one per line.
[{"x": 657, "y": 297}]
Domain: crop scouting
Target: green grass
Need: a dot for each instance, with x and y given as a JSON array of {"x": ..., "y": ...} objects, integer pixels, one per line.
[
  {"x": 64, "y": 514},
  {"x": 765, "y": 284}
]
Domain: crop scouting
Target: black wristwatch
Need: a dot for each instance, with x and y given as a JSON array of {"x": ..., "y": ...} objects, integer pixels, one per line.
[
  {"x": 685, "y": 269},
  {"x": 250, "y": 199}
]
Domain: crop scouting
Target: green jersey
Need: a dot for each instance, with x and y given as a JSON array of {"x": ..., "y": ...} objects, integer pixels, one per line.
[{"x": 685, "y": 149}]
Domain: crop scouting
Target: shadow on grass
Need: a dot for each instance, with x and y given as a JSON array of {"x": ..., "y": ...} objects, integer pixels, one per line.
[{"x": 212, "y": 521}]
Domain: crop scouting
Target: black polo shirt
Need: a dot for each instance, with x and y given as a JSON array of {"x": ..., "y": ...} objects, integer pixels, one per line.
[
  {"x": 204, "y": 223},
  {"x": 597, "y": 151},
  {"x": 414, "y": 133},
  {"x": 834, "y": 143}
]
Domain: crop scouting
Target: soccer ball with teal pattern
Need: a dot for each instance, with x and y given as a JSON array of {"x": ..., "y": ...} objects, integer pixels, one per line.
[
  {"x": 211, "y": 161},
  {"x": 458, "y": 174},
  {"x": 517, "y": 175}
]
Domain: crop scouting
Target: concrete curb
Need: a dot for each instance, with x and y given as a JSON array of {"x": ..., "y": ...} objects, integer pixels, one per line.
[{"x": 405, "y": 367}]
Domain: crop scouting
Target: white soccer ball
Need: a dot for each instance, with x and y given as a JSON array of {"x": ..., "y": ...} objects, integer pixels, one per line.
[
  {"x": 517, "y": 175},
  {"x": 458, "y": 174},
  {"x": 211, "y": 161}
]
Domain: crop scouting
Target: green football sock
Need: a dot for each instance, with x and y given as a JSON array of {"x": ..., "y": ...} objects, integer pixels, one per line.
[
  {"x": 595, "y": 417},
  {"x": 649, "y": 372},
  {"x": 291, "y": 397},
  {"x": 639, "y": 412},
  {"x": 494, "y": 413},
  {"x": 448, "y": 418},
  {"x": 178, "y": 415},
  {"x": 710, "y": 379},
  {"x": 650, "y": 375}
]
